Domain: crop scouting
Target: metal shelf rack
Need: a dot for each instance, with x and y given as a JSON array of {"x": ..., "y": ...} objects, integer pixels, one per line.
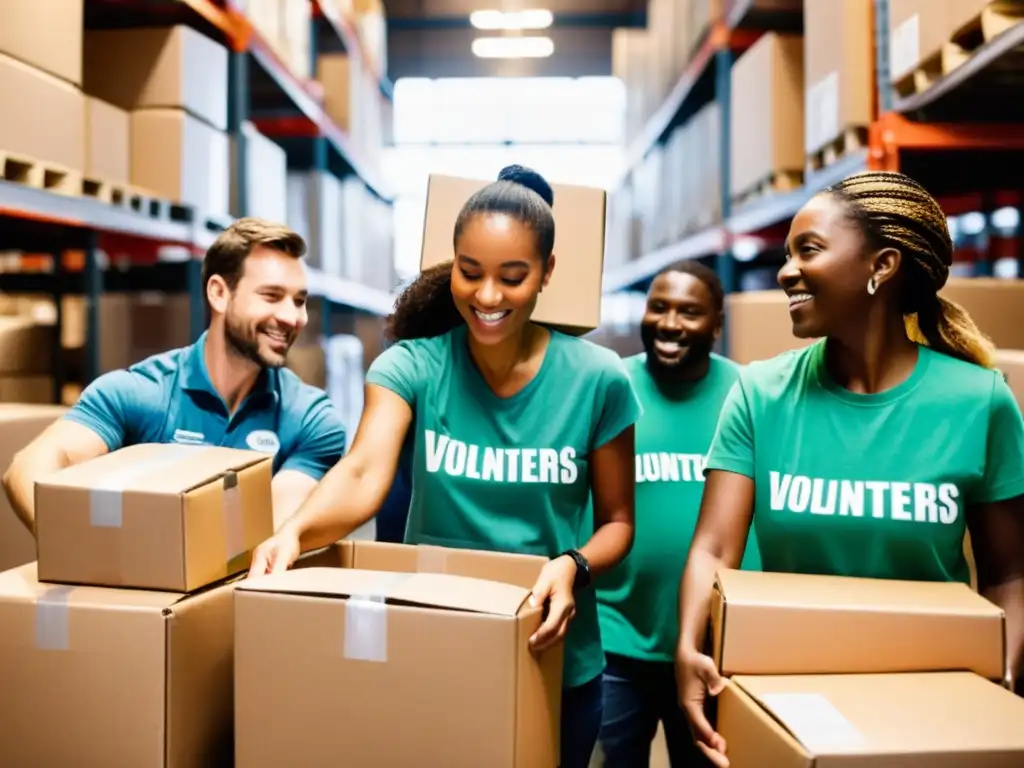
[
  {"x": 261, "y": 89},
  {"x": 931, "y": 135}
]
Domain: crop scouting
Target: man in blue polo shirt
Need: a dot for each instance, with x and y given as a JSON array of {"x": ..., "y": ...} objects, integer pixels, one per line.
[{"x": 230, "y": 388}]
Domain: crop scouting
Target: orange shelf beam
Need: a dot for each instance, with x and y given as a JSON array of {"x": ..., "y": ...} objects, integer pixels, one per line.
[{"x": 893, "y": 132}]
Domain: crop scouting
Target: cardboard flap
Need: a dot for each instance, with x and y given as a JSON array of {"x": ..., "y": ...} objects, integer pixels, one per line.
[
  {"x": 155, "y": 468},
  {"x": 808, "y": 592},
  {"x": 423, "y": 589},
  {"x": 12, "y": 412}
]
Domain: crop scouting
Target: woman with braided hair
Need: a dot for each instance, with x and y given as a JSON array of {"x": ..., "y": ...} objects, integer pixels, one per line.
[{"x": 873, "y": 451}]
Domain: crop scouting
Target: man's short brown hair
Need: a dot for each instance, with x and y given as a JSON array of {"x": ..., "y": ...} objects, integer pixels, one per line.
[{"x": 226, "y": 257}]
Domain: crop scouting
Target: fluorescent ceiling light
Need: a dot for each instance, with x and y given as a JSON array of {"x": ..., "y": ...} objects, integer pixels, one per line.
[
  {"x": 536, "y": 18},
  {"x": 513, "y": 47}
]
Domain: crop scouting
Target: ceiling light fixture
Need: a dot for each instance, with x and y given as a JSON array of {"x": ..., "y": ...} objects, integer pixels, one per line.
[
  {"x": 535, "y": 18},
  {"x": 513, "y": 47}
]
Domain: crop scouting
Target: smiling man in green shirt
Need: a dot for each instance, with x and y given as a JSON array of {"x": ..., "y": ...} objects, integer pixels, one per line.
[{"x": 681, "y": 385}]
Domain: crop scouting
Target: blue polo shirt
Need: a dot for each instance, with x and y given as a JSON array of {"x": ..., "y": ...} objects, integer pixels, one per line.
[{"x": 168, "y": 398}]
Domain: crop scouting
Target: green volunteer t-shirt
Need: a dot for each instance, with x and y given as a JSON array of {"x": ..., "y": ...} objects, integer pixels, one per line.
[
  {"x": 638, "y": 600},
  {"x": 510, "y": 474},
  {"x": 870, "y": 485}
]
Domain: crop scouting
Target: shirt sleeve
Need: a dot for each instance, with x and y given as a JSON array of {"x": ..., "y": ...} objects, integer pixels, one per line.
[
  {"x": 397, "y": 369},
  {"x": 621, "y": 407},
  {"x": 1003, "y": 477},
  {"x": 732, "y": 448},
  {"x": 110, "y": 407},
  {"x": 321, "y": 441}
]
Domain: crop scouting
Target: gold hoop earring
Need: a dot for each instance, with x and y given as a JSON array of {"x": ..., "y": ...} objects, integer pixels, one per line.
[{"x": 872, "y": 286}]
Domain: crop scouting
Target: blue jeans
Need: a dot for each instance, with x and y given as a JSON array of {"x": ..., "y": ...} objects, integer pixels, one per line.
[
  {"x": 581, "y": 720},
  {"x": 637, "y": 696}
]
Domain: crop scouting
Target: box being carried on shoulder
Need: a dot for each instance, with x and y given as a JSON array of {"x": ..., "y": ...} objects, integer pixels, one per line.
[
  {"x": 327, "y": 653},
  {"x": 174, "y": 517}
]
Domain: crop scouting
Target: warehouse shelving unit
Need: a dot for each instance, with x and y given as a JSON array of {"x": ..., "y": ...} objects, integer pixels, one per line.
[
  {"x": 162, "y": 249},
  {"x": 961, "y": 133}
]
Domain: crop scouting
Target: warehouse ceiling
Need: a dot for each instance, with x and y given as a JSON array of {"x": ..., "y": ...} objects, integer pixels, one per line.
[{"x": 434, "y": 38}]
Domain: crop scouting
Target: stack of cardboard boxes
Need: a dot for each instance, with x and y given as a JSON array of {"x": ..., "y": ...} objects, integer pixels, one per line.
[
  {"x": 173, "y": 82},
  {"x": 118, "y": 638},
  {"x": 861, "y": 672}
]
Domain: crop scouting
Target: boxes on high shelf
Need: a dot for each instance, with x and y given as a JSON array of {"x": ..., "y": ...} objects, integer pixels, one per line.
[
  {"x": 175, "y": 517},
  {"x": 631, "y": 64},
  {"x": 179, "y": 157},
  {"x": 668, "y": 57},
  {"x": 917, "y": 29},
  {"x": 296, "y": 27},
  {"x": 267, "y": 19},
  {"x": 369, "y": 19},
  {"x": 649, "y": 184},
  {"x": 442, "y": 633},
  {"x": 172, "y": 67},
  {"x": 107, "y": 142},
  {"x": 313, "y": 206},
  {"x": 99, "y": 676},
  {"x": 43, "y": 120},
  {"x": 838, "y": 69},
  {"x": 676, "y": 182},
  {"x": 767, "y": 112},
  {"x": 703, "y": 14},
  {"x": 708, "y": 159},
  {"x": 266, "y": 174},
  {"x": 352, "y": 99},
  {"x": 47, "y": 36}
]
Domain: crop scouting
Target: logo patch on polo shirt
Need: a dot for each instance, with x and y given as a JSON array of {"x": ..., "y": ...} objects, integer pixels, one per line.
[
  {"x": 263, "y": 440},
  {"x": 187, "y": 437}
]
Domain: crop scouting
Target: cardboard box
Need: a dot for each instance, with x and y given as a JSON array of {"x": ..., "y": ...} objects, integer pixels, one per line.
[
  {"x": 265, "y": 177},
  {"x": 43, "y": 116},
  {"x": 572, "y": 300},
  {"x": 839, "y": 71},
  {"x": 169, "y": 516},
  {"x": 867, "y": 721},
  {"x": 176, "y": 156},
  {"x": 996, "y": 306},
  {"x": 19, "y": 425},
  {"x": 917, "y": 30},
  {"x": 759, "y": 326},
  {"x": 107, "y": 141},
  {"x": 26, "y": 346},
  {"x": 767, "y": 105},
  {"x": 790, "y": 624},
  {"x": 1011, "y": 363},
  {"x": 166, "y": 67},
  {"x": 325, "y": 657},
  {"x": 106, "y": 677},
  {"x": 44, "y": 35}
]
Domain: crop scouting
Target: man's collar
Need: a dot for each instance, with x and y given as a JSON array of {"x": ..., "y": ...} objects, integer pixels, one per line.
[{"x": 197, "y": 378}]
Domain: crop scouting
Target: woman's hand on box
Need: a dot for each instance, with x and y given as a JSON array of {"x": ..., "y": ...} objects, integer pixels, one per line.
[
  {"x": 554, "y": 587},
  {"x": 276, "y": 554},
  {"x": 696, "y": 677}
]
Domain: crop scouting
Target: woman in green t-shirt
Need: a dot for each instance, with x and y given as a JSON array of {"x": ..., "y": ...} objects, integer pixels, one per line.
[
  {"x": 874, "y": 450},
  {"x": 513, "y": 426}
]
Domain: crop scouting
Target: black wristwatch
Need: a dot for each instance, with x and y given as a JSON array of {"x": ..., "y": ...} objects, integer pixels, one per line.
[{"x": 582, "y": 580}]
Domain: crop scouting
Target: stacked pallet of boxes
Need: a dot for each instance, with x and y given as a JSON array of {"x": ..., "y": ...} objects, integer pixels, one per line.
[
  {"x": 828, "y": 670},
  {"x": 285, "y": 26},
  {"x": 174, "y": 83},
  {"x": 118, "y": 640},
  {"x": 924, "y": 39},
  {"x": 43, "y": 130}
]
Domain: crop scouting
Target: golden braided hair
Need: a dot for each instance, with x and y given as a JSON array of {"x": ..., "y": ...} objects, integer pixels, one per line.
[{"x": 894, "y": 211}]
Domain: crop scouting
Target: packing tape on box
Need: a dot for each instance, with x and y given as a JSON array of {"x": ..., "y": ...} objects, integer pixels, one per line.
[
  {"x": 234, "y": 525},
  {"x": 431, "y": 559},
  {"x": 52, "y": 619},
  {"x": 106, "y": 498},
  {"x": 366, "y": 620}
]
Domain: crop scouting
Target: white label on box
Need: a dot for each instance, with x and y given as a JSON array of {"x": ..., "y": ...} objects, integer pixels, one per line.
[
  {"x": 821, "y": 119},
  {"x": 814, "y": 721},
  {"x": 904, "y": 47}
]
